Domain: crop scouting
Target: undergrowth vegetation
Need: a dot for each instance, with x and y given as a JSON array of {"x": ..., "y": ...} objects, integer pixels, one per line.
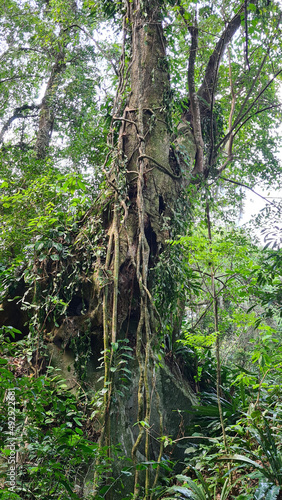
[
  {"x": 58, "y": 420},
  {"x": 129, "y": 133}
]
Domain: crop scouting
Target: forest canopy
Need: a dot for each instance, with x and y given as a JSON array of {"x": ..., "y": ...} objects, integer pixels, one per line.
[{"x": 140, "y": 323}]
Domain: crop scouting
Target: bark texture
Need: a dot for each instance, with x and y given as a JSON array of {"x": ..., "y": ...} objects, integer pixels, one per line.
[
  {"x": 153, "y": 174},
  {"x": 148, "y": 108},
  {"x": 49, "y": 102},
  {"x": 48, "y": 107}
]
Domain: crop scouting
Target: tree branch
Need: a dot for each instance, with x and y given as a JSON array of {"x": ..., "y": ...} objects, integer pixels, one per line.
[
  {"x": 240, "y": 118},
  {"x": 12, "y": 78},
  {"x": 17, "y": 114},
  {"x": 246, "y": 34},
  {"x": 206, "y": 90},
  {"x": 194, "y": 103},
  {"x": 254, "y": 114},
  {"x": 241, "y": 115},
  {"x": 232, "y": 135},
  {"x": 204, "y": 99},
  {"x": 98, "y": 45},
  {"x": 251, "y": 189}
]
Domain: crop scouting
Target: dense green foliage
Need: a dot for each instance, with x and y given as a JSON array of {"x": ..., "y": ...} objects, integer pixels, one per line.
[{"x": 215, "y": 289}]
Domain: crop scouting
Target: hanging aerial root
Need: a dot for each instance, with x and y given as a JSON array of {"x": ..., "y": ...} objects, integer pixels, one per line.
[
  {"x": 147, "y": 397},
  {"x": 107, "y": 394},
  {"x": 161, "y": 444}
]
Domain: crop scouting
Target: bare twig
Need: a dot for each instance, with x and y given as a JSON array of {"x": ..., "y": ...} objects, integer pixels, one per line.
[{"x": 251, "y": 189}]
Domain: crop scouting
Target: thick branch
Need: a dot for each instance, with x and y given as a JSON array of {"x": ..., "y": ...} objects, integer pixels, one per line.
[
  {"x": 206, "y": 90},
  {"x": 194, "y": 104},
  {"x": 17, "y": 114},
  {"x": 231, "y": 114},
  {"x": 246, "y": 34},
  {"x": 14, "y": 78},
  {"x": 47, "y": 111}
]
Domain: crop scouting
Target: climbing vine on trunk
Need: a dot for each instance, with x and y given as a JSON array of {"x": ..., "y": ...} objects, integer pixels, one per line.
[{"x": 135, "y": 234}]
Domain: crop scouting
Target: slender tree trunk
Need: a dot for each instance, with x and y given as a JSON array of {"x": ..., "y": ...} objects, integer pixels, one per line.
[
  {"x": 217, "y": 341},
  {"x": 48, "y": 107}
]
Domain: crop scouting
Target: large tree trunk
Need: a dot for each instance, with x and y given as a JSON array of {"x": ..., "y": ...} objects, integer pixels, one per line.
[
  {"x": 154, "y": 180},
  {"x": 154, "y": 183},
  {"x": 148, "y": 141}
]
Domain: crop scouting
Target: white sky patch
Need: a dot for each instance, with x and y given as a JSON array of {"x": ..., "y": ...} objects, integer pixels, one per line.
[{"x": 254, "y": 204}]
